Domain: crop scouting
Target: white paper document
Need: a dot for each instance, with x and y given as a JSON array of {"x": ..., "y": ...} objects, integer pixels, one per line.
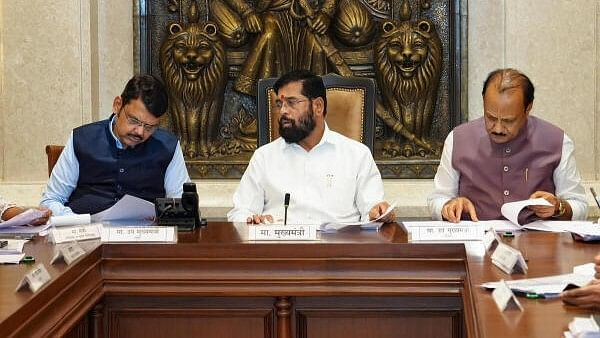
[
  {"x": 23, "y": 218},
  {"x": 584, "y": 327},
  {"x": 67, "y": 220},
  {"x": 127, "y": 208},
  {"x": 511, "y": 210},
  {"x": 340, "y": 226},
  {"x": 11, "y": 258},
  {"x": 588, "y": 231},
  {"x": 543, "y": 287},
  {"x": 14, "y": 246},
  {"x": 23, "y": 231}
]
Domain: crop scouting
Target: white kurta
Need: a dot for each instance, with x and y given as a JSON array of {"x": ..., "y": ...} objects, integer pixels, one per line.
[{"x": 337, "y": 180}]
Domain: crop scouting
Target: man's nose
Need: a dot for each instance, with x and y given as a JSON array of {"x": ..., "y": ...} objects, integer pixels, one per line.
[
  {"x": 139, "y": 130},
  {"x": 497, "y": 127}
]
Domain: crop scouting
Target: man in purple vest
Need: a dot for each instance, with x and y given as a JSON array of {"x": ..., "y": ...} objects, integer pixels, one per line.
[{"x": 507, "y": 156}]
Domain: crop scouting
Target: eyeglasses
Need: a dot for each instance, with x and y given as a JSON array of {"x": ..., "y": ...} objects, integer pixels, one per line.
[
  {"x": 291, "y": 103},
  {"x": 132, "y": 121}
]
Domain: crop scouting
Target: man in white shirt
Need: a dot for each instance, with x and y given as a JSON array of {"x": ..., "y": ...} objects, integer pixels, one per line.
[
  {"x": 507, "y": 156},
  {"x": 330, "y": 178}
]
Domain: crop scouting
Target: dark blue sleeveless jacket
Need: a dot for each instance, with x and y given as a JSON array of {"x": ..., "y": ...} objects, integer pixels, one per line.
[{"x": 106, "y": 173}]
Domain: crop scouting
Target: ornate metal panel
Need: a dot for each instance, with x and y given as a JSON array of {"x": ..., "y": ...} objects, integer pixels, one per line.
[{"x": 210, "y": 55}]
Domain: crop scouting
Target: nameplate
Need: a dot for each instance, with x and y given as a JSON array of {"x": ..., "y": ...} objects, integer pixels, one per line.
[
  {"x": 69, "y": 252},
  {"x": 76, "y": 233},
  {"x": 509, "y": 259},
  {"x": 34, "y": 279},
  {"x": 446, "y": 233},
  {"x": 505, "y": 298},
  {"x": 138, "y": 234},
  {"x": 282, "y": 232},
  {"x": 491, "y": 239}
]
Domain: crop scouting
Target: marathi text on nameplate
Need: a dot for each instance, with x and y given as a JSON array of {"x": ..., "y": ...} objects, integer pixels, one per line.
[
  {"x": 446, "y": 233},
  {"x": 34, "y": 279},
  {"x": 139, "y": 234},
  {"x": 282, "y": 232},
  {"x": 69, "y": 252},
  {"x": 75, "y": 233}
]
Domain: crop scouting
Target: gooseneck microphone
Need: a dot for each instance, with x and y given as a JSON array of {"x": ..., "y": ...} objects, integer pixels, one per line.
[{"x": 286, "y": 204}]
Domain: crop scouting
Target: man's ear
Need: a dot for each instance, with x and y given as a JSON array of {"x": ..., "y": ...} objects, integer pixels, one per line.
[
  {"x": 117, "y": 104},
  {"x": 318, "y": 106},
  {"x": 528, "y": 109}
]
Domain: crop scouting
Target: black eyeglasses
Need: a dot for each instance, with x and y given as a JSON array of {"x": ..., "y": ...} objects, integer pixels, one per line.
[{"x": 132, "y": 121}]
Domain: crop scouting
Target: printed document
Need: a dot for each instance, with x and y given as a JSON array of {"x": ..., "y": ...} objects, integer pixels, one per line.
[{"x": 127, "y": 208}]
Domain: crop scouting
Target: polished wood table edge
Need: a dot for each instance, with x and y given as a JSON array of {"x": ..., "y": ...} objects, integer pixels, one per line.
[
  {"x": 56, "y": 314},
  {"x": 114, "y": 269}
]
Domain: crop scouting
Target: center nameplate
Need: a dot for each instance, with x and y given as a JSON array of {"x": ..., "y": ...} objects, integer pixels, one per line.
[
  {"x": 139, "y": 234},
  {"x": 282, "y": 232}
]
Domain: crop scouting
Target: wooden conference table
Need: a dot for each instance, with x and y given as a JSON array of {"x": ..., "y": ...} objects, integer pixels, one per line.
[{"x": 215, "y": 283}]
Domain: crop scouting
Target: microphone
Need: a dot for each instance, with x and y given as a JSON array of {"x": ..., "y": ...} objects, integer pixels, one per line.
[{"x": 286, "y": 204}]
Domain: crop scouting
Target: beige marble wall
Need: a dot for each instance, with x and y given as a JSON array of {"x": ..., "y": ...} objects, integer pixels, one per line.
[
  {"x": 62, "y": 64},
  {"x": 63, "y": 61},
  {"x": 554, "y": 42}
]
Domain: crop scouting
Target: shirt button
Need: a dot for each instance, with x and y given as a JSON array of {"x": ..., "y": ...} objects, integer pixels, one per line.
[
  {"x": 507, "y": 150},
  {"x": 506, "y": 192},
  {"x": 116, "y": 199},
  {"x": 505, "y": 168},
  {"x": 121, "y": 170},
  {"x": 119, "y": 187}
]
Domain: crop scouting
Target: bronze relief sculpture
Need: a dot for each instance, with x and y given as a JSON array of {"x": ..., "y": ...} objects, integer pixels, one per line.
[
  {"x": 408, "y": 59},
  {"x": 193, "y": 64},
  {"x": 211, "y": 67}
]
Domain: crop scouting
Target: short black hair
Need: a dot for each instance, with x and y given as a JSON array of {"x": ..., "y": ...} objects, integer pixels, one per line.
[
  {"x": 150, "y": 90},
  {"x": 312, "y": 85},
  {"x": 511, "y": 78}
]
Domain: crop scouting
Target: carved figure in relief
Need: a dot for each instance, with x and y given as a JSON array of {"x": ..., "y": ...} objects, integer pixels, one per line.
[
  {"x": 193, "y": 65},
  {"x": 290, "y": 34},
  {"x": 408, "y": 63}
]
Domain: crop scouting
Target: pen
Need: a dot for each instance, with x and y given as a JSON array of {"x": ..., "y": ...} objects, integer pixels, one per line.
[
  {"x": 28, "y": 260},
  {"x": 532, "y": 295}
]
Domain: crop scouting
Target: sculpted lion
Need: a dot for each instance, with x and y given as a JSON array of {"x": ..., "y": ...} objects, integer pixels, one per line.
[
  {"x": 408, "y": 60},
  {"x": 193, "y": 63}
]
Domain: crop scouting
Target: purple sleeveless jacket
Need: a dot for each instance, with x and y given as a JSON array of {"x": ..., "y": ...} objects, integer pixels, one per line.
[{"x": 492, "y": 174}]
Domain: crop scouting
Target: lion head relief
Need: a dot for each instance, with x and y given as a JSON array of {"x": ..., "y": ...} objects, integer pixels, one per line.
[
  {"x": 193, "y": 63},
  {"x": 408, "y": 60}
]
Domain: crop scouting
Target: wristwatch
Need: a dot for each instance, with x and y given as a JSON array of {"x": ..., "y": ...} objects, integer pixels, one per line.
[{"x": 561, "y": 209}]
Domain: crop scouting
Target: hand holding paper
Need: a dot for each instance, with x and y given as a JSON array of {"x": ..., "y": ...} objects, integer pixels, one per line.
[
  {"x": 29, "y": 216},
  {"x": 383, "y": 212},
  {"x": 511, "y": 210},
  {"x": 546, "y": 210}
]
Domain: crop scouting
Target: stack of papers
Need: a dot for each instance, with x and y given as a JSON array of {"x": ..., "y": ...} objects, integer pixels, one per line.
[
  {"x": 12, "y": 253},
  {"x": 368, "y": 225},
  {"x": 23, "y": 218},
  {"x": 340, "y": 226},
  {"x": 127, "y": 208},
  {"x": 551, "y": 286},
  {"x": 587, "y": 231},
  {"x": 584, "y": 327}
]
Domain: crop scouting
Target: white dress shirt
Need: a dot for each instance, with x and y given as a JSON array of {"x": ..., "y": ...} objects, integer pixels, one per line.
[
  {"x": 65, "y": 175},
  {"x": 337, "y": 180},
  {"x": 5, "y": 205},
  {"x": 567, "y": 181}
]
